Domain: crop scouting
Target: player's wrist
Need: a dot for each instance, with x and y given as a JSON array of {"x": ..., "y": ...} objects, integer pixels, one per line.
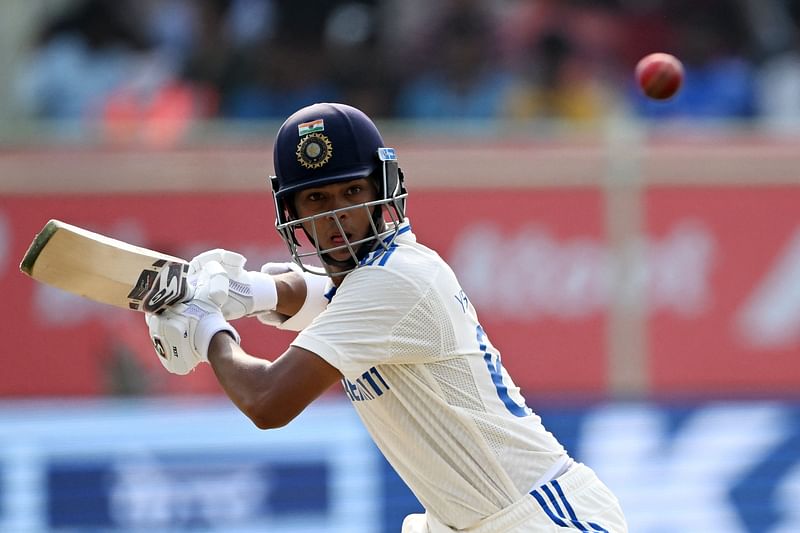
[
  {"x": 264, "y": 292},
  {"x": 219, "y": 344},
  {"x": 210, "y": 327}
]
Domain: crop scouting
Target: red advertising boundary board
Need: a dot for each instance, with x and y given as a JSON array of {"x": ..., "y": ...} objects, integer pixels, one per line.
[
  {"x": 719, "y": 276},
  {"x": 742, "y": 334},
  {"x": 62, "y": 345}
]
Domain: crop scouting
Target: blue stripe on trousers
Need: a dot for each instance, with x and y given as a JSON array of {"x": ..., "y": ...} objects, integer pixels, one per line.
[{"x": 560, "y": 520}]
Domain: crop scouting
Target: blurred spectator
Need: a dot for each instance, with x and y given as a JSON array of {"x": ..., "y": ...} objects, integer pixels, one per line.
[
  {"x": 460, "y": 75},
  {"x": 564, "y": 66},
  {"x": 171, "y": 25},
  {"x": 80, "y": 57},
  {"x": 555, "y": 83},
  {"x": 281, "y": 75},
  {"x": 366, "y": 78},
  {"x": 646, "y": 28},
  {"x": 94, "y": 65},
  {"x": 286, "y": 69},
  {"x": 149, "y": 68},
  {"x": 208, "y": 61},
  {"x": 712, "y": 41},
  {"x": 779, "y": 79}
]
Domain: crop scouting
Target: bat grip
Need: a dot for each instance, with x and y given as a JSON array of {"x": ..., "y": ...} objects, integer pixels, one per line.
[{"x": 188, "y": 293}]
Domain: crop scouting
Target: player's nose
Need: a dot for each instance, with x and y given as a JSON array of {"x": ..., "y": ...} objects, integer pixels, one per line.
[{"x": 341, "y": 208}]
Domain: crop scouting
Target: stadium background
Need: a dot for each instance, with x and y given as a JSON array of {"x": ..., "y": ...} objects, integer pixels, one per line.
[{"x": 637, "y": 264}]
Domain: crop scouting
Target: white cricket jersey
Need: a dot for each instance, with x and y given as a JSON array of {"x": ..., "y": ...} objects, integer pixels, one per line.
[{"x": 430, "y": 387}]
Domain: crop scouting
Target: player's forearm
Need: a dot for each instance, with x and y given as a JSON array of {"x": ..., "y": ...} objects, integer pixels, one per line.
[
  {"x": 244, "y": 378},
  {"x": 291, "y": 288},
  {"x": 271, "y": 394}
]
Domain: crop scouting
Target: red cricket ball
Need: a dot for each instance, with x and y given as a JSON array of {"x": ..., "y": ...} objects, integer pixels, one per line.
[{"x": 659, "y": 75}]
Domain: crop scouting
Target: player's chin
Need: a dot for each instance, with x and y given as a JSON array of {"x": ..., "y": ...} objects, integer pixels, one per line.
[{"x": 342, "y": 254}]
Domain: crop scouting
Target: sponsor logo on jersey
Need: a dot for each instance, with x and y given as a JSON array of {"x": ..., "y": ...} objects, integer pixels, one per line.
[{"x": 369, "y": 386}]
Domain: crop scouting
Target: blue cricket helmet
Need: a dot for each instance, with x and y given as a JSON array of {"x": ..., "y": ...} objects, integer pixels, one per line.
[
  {"x": 324, "y": 143},
  {"x": 327, "y": 143}
]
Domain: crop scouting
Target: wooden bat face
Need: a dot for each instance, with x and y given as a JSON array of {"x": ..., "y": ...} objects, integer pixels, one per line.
[{"x": 105, "y": 270}]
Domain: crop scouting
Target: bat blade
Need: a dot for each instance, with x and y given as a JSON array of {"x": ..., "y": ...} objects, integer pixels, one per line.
[{"x": 104, "y": 269}]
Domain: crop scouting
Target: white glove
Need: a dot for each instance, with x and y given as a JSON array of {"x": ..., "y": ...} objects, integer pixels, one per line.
[
  {"x": 248, "y": 293},
  {"x": 182, "y": 333}
]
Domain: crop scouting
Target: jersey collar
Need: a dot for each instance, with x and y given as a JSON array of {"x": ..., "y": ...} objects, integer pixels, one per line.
[{"x": 404, "y": 235}]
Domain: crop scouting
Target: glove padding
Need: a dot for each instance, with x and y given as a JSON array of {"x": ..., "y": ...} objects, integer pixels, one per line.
[
  {"x": 182, "y": 333},
  {"x": 248, "y": 293}
]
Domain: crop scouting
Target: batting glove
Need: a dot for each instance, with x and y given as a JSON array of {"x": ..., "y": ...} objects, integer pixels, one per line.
[
  {"x": 181, "y": 333},
  {"x": 248, "y": 293}
]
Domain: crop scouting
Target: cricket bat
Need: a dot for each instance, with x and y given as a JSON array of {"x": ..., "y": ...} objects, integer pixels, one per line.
[{"x": 106, "y": 270}]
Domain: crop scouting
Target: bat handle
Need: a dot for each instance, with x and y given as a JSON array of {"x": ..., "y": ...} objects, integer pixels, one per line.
[{"x": 188, "y": 293}]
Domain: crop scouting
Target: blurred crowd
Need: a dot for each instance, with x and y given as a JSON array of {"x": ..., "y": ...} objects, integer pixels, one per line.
[{"x": 172, "y": 61}]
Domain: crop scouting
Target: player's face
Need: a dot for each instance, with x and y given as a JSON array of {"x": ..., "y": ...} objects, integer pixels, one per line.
[{"x": 343, "y": 200}]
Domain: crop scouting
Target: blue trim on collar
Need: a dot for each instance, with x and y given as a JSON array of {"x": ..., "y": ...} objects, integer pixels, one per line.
[
  {"x": 384, "y": 254},
  {"x": 330, "y": 294}
]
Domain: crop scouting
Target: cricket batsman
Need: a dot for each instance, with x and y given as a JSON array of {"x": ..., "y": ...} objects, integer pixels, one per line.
[{"x": 384, "y": 315}]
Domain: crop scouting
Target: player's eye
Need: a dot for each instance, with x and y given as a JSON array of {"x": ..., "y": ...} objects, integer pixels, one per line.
[
  {"x": 354, "y": 190},
  {"x": 314, "y": 196}
]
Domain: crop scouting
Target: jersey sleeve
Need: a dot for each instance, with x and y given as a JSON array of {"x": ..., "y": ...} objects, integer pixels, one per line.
[{"x": 354, "y": 333}]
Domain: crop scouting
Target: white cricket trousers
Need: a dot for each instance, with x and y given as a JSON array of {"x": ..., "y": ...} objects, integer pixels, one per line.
[{"x": 577, "y": 500}]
